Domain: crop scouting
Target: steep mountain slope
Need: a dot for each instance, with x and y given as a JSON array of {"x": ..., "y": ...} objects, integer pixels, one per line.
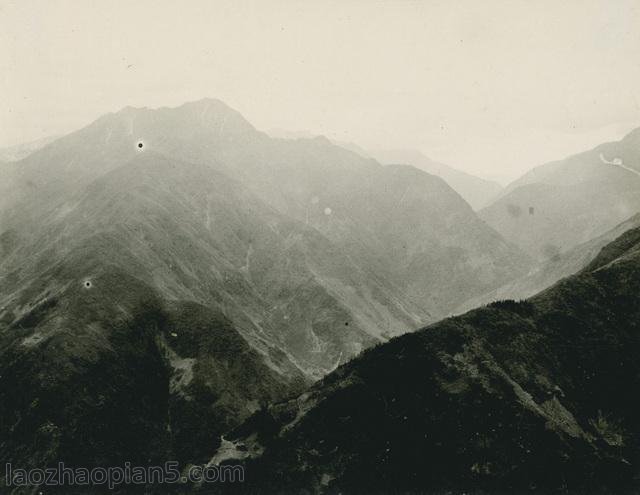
[
  {"x": 309, "y": 180},
  {"x": 7, "y": 182},
  {"x": 101, "y": 373},
  {"x": 425, "y": 238},
  {"x": 192, "y": 234},
  {"x": 475, "y": 191},
  {"x": 20, "y": 151},
  {"x": 162, "y": 299},
  {"x": 549, "y": 272},
  {"x": 514, "y": 397},
  {"x": 561, "y": 204},
  {"x": 114, "y": 342}
]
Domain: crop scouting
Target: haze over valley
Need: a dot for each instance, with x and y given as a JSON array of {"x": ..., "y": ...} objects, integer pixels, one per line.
[{"x": 433, "y": 288}]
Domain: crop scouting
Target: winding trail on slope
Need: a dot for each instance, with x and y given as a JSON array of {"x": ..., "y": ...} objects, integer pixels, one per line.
[{"x": 618, "y": 163}]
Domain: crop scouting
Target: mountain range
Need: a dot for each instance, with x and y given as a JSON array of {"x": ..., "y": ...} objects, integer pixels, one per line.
[
  {"x": 475, "y": 191},
  {"x": 175, "y": 270},
  {"x": 336, "y": 241},
  {"x": 176, "y": 284},
  {"x": 515, "y": 397}
]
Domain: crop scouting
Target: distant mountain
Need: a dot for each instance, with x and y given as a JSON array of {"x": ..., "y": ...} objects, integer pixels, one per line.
[
  {"x": 475, "y": 191},
  {"x": 549, "y": 272},
  {"x": 353, "y": 147},
  {"x": 516, "y": 397},
  {"x": 20, "y": 151},
  {"x": 561, "y": 204},
  {"x": 308, "y": 180},
  {"x": 284, "y": 134},
  {"x": 423, "y": 237}
]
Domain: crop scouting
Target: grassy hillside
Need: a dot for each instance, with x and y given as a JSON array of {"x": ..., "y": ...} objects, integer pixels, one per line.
[{"x": 105, "y": 370}]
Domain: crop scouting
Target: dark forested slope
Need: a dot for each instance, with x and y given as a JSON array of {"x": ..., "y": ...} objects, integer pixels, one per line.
[{"x": 513, "y": 397}]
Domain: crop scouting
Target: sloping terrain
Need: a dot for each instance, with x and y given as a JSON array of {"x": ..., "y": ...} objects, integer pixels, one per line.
[
  {"x": 535, "y": 396},
  {"x": 562, "y": 204},
  {"x": 20, "y": 151},
  {"x": 310, "y": 181},
  {"x": 192, "y": 234},
  {"x": 96, "y": 374},
  {"x": 549, "y": 272},
  {"x": 424, "y": 237},
  {"x": 475, "y": 191},
  {"x": 166, "y": 273},
  {"x": 113, "y": 346}
]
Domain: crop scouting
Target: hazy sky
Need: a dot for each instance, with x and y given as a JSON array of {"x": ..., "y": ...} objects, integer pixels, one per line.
[{"x": 491, "y": 87}]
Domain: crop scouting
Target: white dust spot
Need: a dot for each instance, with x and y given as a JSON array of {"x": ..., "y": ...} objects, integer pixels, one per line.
[{"x": 327, "y": 211}]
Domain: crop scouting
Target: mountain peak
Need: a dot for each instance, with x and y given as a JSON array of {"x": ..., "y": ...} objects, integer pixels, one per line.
[
  {"x": 205, "y": 111},
  {"x": 202, "y": 102},
  {"x": 132, "y": 109},
  {"x": 207, "y": 101}
]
